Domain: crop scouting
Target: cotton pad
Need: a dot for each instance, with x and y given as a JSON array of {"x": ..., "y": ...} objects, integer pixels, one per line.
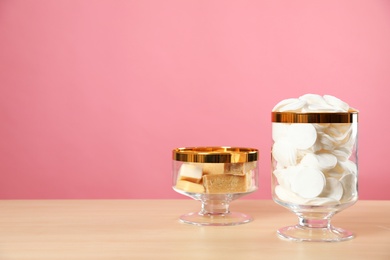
[
  {"x": 333, "y": 189},
  {"x": 284, "y": 152},
  {"x": 308, "y": 183},
  {"x": 302, "y": 136}
]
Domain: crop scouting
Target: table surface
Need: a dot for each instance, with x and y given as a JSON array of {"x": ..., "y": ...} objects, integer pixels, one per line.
[{"x": 149, "y": 229}]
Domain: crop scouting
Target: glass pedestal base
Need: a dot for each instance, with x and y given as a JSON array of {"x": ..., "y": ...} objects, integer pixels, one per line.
[
  {"x": 300, "y": 233},
  {"x": 219, "y": 219}
]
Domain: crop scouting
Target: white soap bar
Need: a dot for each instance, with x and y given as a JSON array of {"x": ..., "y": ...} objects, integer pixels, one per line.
[
  {"x": 303, "y": 136},
  {"x": 190, "y": 172},
  {"x": 308, "y": 183},
  {"x": 189, "y": 186}
]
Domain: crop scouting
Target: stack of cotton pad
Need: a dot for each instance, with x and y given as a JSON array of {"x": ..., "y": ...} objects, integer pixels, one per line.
[{"x": 314, "y": 162}]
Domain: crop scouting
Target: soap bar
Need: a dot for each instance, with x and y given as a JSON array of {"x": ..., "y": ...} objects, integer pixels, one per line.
[
  {"x": 225, "y": 183},
  {"x": 189, "y": 186},
  {"x": 190, "y": 172},
  {"x": 213, "y": 168},
  {"x": 239, "y": 168}
]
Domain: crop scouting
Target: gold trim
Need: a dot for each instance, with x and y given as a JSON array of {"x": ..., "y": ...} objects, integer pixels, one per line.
[
  {"x": 321, "y": 117},
  {"x": 215, "y": 154}
]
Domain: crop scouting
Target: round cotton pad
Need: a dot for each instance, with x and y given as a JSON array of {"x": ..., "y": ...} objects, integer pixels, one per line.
[
  {"x": 279, "y": 130},
  {"x": 326, "y": 161},
  {"x": 303, "y": 136},
  {"x": 284, "y": 103},
  {"x": 335, "y": 102},
  {"x": 284, "y": 152},
  {"x": 308, "y": 183},
  {"x": 333, "y": 189},
  {"x": 293, "y": 106},
  {"x": 313, "y": 99},
  {"x": 349, "y": 182}
]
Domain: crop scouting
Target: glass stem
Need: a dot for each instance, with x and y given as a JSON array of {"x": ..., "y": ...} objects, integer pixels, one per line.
[
  {"x": 215, "y": 207},
  {"x": 314, "y": 222}
]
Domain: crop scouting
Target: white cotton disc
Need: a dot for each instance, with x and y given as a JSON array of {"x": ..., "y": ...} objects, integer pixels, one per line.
[
  {"x": 296, "y": 105},
  {"x": 349, "y": 182},
  {"x": 285, "y": 175},
  {"x": 303, "y": 136},
  {"x": 349, "y": 167},
  {"x": 333, "y": 189},
  {"x": 313, "y": 99},
  {"x": 288, "y": 196},
  {"x": 321, "y": 127},
  {"x": 326, "y": 161},
  {"x": 310, "y": 160},
  {"x": 327, "y": 141},
  {"x": 323, "y": 108},
  {"x": 342, "y": 154},
  {"x": 284, "y": 152},
  {"x": 284, "y": 102},
  {"x": 335, "y": 102},
  {"x": 308, "y": 183},
  {"x": 322, "y": 201},
  {"x": 279, "y": 130}
]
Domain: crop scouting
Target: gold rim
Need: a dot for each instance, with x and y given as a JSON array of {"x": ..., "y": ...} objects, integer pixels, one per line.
[
  {"x": 290, "y": 117},
  {"x": 215, "y": 154}
]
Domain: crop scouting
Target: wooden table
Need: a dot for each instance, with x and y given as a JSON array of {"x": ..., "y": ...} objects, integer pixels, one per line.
[{"x": 149, "y": 229}]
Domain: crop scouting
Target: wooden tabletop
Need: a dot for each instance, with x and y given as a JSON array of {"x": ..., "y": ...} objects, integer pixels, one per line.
[{"x": 149, "y": 229}]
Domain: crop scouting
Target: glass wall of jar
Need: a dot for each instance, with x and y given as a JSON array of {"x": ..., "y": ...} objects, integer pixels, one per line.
[{"x": 315, "y": 170}]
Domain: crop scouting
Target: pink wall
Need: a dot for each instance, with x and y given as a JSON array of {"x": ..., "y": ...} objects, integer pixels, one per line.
[{"x": 94, "y": 95}]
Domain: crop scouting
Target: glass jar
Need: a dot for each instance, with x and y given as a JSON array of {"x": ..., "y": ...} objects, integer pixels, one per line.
[
  {"x": 215, "y": 176},
  {"x": 315, "y": 170}
]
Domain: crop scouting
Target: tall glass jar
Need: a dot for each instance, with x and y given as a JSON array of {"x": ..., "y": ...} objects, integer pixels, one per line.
[{"x": 315, "y": 170}]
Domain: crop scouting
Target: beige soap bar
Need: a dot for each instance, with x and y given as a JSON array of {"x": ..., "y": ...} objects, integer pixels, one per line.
[
  {"x": 189, "y": 186},
  {"x": 224, "y": 183},
  {"x": 213, "y": 168},
  {"x": 239, "y": 168}
]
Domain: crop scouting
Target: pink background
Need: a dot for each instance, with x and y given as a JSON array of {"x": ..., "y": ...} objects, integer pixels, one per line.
[{"x": 94, "y": 95}]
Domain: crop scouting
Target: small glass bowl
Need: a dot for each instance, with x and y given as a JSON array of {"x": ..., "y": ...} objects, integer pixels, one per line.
[{"x": 215, "y": 176}]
